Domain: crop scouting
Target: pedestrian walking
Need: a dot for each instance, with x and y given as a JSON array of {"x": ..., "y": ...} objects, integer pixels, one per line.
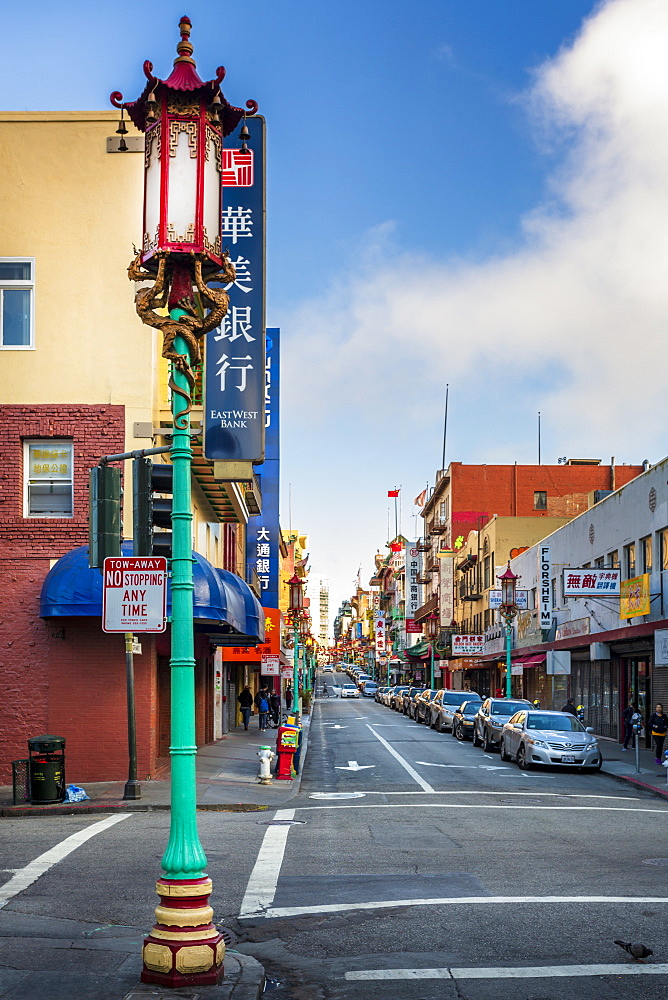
[
  {"x": 275, "y": 706},
  {"x": 658, "y": 727},
  {"x": 570, "y": 707},
  {"x": 325, "y": 690},
  {"x": 627, "y": 719},
  {"x": 245, "y": 700},
  {"x": 262, "y": 705},
  {"x": 288, "y": 699}
]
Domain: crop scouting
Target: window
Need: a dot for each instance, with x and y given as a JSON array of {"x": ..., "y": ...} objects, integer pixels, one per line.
[
  {"x": 599, "y": 563},
  {"x": 533, "y": 604},
  {"x": 613, "y": 559},
  {"x": 540, "y": 500},
  {"x": 553, "y": 589},
  {"x": 630, "y": 560},
  {"x": 486, "y": 574},
  {"x": 586, "y": 565},
  {"x": 646, "y": 553},
  {"x": 16, "y": 303},
  {"x": 663, "y": 548},
  {"x": 48, "y": 478}
]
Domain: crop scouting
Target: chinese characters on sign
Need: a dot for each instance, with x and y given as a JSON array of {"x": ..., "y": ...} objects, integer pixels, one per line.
[
  {"x": 379, "y": 628},
  {"x": 234, "y": 363},
  {"x": 468, "y": 645},
  {"x": 413, "y": 588},
  {"x": 447, "y": 582},
  {"x": 588, "y": 582},
  {"x": 635, "y": 597}
]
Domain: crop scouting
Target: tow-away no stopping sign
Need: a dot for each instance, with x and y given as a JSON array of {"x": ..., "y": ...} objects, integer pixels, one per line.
[{"x": 134, "y": 594}]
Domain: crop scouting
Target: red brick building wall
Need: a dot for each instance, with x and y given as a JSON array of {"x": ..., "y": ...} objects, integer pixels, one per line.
[{"x": 32, "y": 667}]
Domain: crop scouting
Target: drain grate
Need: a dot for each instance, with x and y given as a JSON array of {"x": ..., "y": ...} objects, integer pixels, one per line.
[
  {"x": 229, "y": 937},
  {"x": 281, "y": 822}
]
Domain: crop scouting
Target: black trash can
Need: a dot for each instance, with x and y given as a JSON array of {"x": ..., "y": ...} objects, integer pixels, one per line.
[{"x": 47, "y": 769}]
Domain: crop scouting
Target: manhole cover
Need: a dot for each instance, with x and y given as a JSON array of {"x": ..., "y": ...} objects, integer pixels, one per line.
[
  {"x": 281, "y": 822},
  {"x": 337, "y": 795},
  {"x": 229, "y": 937},
  {"x": 659, "y": 862}
]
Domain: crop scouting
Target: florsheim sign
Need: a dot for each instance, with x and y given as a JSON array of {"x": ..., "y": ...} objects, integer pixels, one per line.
[{"x": 234, "y": 371}]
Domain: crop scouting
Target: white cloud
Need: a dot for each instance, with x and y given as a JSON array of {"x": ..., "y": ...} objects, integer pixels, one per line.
[{"x": 574, "y": 323}]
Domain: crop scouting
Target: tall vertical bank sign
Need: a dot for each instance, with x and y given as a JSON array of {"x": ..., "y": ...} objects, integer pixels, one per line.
[
  {"x": 262, "y": 542},
  {"x": 234, "y": 414}
]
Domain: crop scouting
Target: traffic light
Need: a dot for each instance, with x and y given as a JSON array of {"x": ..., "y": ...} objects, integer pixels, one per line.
[
  {"x": 104, "y": 514},
  {"x": 150, "y": 511}
]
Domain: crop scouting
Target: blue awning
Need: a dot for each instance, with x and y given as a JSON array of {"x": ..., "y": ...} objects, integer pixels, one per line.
[{"x": 222, "y": 602}]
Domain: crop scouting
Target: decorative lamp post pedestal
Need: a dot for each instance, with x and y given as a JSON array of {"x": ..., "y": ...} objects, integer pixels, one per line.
[
  {"x": 185, "y": 121},
  {"x": 508, "y": 611}
]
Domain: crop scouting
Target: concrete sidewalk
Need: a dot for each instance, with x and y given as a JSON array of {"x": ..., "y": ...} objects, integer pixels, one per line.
[
  {"x": 621, "y": 764},
  {"x": 226, "y": 779}
]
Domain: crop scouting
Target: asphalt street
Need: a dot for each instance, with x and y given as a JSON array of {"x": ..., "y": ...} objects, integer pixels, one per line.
[{"x": 410, "y": 866}]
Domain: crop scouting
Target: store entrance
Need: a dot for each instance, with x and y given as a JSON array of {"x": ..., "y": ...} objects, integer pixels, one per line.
[{"x": 637, "y": 690}]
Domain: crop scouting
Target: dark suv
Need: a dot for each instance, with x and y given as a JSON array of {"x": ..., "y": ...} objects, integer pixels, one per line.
[{"x": 490, "y": 719}]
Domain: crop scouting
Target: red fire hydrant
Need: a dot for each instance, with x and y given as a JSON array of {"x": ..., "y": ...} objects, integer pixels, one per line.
[{"x": 287, "y": 741}]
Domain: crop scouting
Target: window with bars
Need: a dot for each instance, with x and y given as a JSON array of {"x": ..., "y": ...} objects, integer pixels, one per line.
[{"x": 16, "y": 303}]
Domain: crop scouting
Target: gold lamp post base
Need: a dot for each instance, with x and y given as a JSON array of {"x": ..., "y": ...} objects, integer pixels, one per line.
[{"x": 184, "y": 948}]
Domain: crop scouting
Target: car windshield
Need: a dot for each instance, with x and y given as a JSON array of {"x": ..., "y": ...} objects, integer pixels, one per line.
[
  {"x": 350, "y": 686},
  {"x": 557, "y": 723},
  {"x": 509, "y": 708},
  {"x": 469, "y": 706},
  {"x": 454, "y": 698}
]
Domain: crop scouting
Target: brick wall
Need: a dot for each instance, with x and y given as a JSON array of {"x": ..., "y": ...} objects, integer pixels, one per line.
[{"x": 29, "y": 646}]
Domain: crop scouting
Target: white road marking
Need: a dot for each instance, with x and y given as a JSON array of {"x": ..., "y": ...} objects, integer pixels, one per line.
[
  {"x": 386, "y": 904},
  {"x": 337, "y": 795},
  {"x": 425, "y": 786},
  {"x": 533, "y": 795},
  {"x": 460, "y": 766},
  {"x": 263, "y": 880},
  {"x": 353, "y": 766},
  {"x": 526, "y": 972},
  {"x": 333, "y": 725},
  {"x": 26, "y": 876},
  {"x": 491, "y": 805}
]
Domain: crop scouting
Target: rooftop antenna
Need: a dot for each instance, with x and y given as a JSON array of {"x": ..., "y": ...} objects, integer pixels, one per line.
[
  {"x": 445, "y": 425},
  {"x": 539, "y": 437}
]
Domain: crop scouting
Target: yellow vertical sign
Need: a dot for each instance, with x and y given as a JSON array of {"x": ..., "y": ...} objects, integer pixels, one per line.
[{"x": 634, "y": 597}]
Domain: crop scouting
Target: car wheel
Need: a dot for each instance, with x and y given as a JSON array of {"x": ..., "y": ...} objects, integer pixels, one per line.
[
  {"x": 502, "y": 750},
  {"x": 417, "y": 718},
  {"x": 596, "y": 768},
  {"x": 476, "y": 738},
  {"x": 458, "y": 732},
  {"x": 522, "y": 758},
  {"x": 487, "y": 744},
  {"x": 439, "y": 724}
]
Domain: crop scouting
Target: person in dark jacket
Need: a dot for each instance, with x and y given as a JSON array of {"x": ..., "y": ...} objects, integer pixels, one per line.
[
  {"x": 275, "y": 704},
  {"x": 262, "y": 705},
  {"x": 627, "y": 719},
  {"x": 570, "y": 707},
  {"x": 658, "y": 727},
  {"x": 245, "y": 700}
]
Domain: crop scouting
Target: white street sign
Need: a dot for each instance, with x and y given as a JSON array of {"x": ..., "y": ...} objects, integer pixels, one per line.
[{"x": 134, "y": 595}]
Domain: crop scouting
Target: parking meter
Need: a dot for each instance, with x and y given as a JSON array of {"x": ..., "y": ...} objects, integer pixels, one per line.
[{"x": 636, "y": 723}]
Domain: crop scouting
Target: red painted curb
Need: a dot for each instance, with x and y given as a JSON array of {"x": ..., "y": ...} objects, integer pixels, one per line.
[{"x": 640, "y": 784}]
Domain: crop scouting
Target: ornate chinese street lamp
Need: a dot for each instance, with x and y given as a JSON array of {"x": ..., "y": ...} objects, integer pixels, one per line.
[
  {"x": 508, "y": 611},
  {"x": 295, "y": 616},
  {"x": 185, "y": 121},
  {"x": 432, "y": 632}
]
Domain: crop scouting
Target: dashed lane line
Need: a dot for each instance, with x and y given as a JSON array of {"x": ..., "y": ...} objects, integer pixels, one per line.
[{"x": 503, "y": 972}]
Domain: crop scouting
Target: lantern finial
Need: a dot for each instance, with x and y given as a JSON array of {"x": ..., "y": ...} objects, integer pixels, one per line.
[{"x": 185, "y": 46}]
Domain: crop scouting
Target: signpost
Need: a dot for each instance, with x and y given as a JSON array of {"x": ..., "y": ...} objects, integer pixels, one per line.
[{"x": 134, "y": 595}]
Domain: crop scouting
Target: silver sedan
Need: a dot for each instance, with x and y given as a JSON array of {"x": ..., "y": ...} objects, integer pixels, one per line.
[{"x": 556, "y": 738}]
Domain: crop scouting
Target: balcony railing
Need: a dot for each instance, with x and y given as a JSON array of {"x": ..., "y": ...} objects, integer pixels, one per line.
[{"x": 438, "y": 525}]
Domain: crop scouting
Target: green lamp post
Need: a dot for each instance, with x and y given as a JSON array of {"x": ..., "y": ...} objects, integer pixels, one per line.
[
  {"x": 508, "y": 611},
  {"x": 185, "y": 121},
  {"x": 296, "y": 613}
]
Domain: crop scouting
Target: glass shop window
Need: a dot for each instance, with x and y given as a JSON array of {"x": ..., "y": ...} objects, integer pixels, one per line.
[
  {"x": 16, "y": 303},
  {"x": 49, "y": 480}
]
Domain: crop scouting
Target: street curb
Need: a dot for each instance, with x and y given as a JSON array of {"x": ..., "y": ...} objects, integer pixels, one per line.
[
  {"x": 76, "y": 809},
  {"x": 636, "y": 783}
]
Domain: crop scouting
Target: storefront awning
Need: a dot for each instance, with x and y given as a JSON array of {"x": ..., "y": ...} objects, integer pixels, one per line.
[
  {"x": 222, "y": 602},
  {"x": 530, "y": 659},
  {"x": 420, "y": 650}
]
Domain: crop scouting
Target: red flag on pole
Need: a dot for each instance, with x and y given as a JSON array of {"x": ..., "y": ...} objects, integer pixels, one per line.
[{"x": 393, "y": 493}]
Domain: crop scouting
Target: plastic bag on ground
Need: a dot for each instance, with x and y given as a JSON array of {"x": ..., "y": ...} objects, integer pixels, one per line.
[{"x": 75, "y": 794}]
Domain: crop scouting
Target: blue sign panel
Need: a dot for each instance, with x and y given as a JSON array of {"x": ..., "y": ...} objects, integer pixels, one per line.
[
  {"x": 262, "y": 533},
  {"x": 234, "y": 355}
]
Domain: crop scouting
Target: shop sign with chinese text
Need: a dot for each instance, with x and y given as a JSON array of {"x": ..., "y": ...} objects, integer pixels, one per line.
[
  {"x": 234, "y": 363},
  {"x": 521, "y": 599},
  {"x": 447, "y": 581},
  {"x": 635, "y": 597},
  {"x": 271, "y": 645},
  {"x": 591, "y": 582},
  {"x": 379, "y": 628},
  {"x": 468, "y": 645},
  {"x": 413, "y": 588}
]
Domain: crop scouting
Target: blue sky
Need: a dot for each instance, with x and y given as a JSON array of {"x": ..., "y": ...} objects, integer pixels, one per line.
[{"x": 461, "y": 191}]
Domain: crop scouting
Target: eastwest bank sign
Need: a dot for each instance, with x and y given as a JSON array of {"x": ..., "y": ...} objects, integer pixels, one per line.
[{"x": 234, "y": 370}]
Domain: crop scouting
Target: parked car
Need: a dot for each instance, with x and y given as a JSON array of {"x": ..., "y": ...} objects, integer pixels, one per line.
[
  {"x": 395, "y": 700},
  {"x": 422, "y": 705},
  {"x": 369, "y": 689},
  {"x": 407, "y": 698},
  {"x": 535, "y": 737},
  {"x": 350, "y": 691},
  {"x": 328, "y": 668},
  {"x": 444, "y": 705},
  {"x": 492, "y": 717},
  {"x": 463, "y": 720},
  {"x": 380, "y": 691},
  {"x": 361, "y": 680}
]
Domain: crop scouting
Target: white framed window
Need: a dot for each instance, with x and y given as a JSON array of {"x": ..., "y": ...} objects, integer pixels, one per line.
[
  {"x": 17, "y": 306},
  {"x": 49, "y": 478}
]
